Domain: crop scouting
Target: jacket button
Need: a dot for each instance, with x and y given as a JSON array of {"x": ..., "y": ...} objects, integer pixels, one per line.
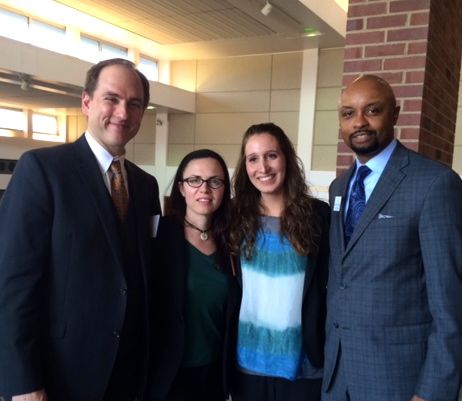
[
  {"x": 342, "y": 286},
  {"x": 116, "y": 334},
  {"x": 336, "y": 325},
  {"x": 123, "y": 291}
]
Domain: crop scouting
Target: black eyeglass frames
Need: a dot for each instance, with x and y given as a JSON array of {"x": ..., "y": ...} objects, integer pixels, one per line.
[{"x": 196, "y": 182}]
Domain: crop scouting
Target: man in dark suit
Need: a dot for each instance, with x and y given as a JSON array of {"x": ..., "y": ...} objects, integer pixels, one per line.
[
  {"x": 394, "y": 311},
  {"x": 74, "y": 264}
]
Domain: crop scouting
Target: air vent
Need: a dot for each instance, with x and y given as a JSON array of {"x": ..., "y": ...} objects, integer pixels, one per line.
[{"x": 7, "y": 166}]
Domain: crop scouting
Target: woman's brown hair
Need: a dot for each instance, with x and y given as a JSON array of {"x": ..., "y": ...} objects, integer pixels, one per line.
[{"x": 298, "y": 220}]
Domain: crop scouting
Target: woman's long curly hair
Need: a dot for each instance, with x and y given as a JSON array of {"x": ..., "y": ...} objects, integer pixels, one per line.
[
  {"x": 298, "y": 220},
  {"x": 220, "y": 218}
]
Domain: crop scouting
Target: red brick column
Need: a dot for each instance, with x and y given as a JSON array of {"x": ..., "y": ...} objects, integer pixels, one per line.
[{"x": 416, "y": 46}]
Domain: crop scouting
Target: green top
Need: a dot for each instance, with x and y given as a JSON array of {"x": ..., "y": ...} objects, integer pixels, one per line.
[{"x": 207, "y": 290}]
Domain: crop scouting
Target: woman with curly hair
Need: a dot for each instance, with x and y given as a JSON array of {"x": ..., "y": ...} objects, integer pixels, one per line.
[{"x": 279, "y": 239}]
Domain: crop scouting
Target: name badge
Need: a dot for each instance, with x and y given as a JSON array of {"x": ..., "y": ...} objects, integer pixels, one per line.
[{"x": 337, "y": 203}]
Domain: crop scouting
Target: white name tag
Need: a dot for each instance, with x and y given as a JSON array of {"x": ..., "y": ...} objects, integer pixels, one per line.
[{"x": 337, "y": 203}]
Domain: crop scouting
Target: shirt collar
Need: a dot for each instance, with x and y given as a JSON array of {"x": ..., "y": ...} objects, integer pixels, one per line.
[
  {"x": 377, "y": 163},
  {"x": 103, "y": 157}
]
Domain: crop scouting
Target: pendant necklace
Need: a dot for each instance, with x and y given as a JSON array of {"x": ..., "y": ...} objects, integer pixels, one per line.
[{"x": 204, "y": 233}]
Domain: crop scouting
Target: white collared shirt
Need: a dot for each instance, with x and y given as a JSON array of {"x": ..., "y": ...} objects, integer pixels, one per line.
[{"x": 104, "y": 159}]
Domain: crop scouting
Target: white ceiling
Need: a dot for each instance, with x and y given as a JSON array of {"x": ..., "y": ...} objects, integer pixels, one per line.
[{"x": 197, "y": 29}]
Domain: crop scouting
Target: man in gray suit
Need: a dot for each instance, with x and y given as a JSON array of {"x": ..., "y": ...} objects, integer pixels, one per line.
[{"x": 394, "y": 309}]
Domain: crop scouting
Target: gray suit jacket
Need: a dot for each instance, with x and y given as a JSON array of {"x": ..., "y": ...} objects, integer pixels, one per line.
[{"x": 395, "y": 291}]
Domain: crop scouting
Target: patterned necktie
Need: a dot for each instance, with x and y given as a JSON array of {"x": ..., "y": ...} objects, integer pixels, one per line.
[
  {"x": 118, "y": 191},
  {"x": 357, "y": 202}
]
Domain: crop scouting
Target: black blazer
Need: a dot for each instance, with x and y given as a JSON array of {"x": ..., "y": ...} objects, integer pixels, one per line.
[
  {"x": 313, "y": 306},
  {"x": 169, "y": 293},
  {"x": 62, "y": 283},
  {"x": 167, "y": 318}
]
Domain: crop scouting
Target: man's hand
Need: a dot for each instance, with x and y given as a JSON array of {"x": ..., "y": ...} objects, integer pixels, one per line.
[
  {"x": 39, "y": 395},
  {"x": 415, "y": 398}
]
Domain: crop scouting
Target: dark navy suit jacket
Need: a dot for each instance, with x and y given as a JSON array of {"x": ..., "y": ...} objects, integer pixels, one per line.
[{"x": 62, "y": 283}]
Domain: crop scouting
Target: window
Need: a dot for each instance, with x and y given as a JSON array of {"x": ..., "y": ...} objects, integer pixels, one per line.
[
  {"x": 47, "y": 36},
  {"x": 13, "y": 123},
  {"x": 45, "y": 128},
  {"x": 111, "y": 51},
  {"x": 89, "y": 49},
  {"x": 94, "y": 50},
  {"x": 14, "y": 26},
  {"x": 149, "y": 67}
]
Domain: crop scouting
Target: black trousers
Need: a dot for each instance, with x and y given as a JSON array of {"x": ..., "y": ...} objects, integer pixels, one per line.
[
  {"x": 264, "y": 388},
  {"x": 203, "y": 383}
]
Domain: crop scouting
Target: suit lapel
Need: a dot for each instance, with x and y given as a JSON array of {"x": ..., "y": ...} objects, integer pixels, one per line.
[
  {"x": 87, "y": 168},
  {"x": 139, "y": 211},
  {"x": 387, "y": 184},
  {"x": 343, "y": 192}
]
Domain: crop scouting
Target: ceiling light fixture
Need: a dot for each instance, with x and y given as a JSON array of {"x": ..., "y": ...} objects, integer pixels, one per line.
[{"x": 267, "y": 8}]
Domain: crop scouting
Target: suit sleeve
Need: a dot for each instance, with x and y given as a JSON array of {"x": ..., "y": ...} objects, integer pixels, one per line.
[
  {"x": 25, "y": 221},
  {"x": 440, "y": 234}
]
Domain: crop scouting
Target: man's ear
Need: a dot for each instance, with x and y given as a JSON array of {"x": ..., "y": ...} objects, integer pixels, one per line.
[
  {"x": 85, "y": 102},
  {"x": 396, "y": 114}
]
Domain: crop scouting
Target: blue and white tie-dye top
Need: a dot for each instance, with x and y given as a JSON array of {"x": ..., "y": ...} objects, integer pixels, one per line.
[{"x": 270, "y": 327}]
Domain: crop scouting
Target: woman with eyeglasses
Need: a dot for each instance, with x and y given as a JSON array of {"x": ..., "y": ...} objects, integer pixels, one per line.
[
  {"x": 190, "y": 283},
  {"x": 279, "y": 239}
]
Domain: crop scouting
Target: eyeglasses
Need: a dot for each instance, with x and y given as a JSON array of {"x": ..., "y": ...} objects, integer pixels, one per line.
[{"x": 196, "y": 182}]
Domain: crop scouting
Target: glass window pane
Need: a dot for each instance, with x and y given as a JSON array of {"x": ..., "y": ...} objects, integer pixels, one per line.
[
  {"x": 13, "y": 25},
  {"x": 44, "y": 124},
  {"x": 109, "y": 51},
  {"x": 149, "y": 67},
  {"x": 12, "y": 119},
  {"x": 47, "y": 36},
  {"x": 89, "y": 49}
]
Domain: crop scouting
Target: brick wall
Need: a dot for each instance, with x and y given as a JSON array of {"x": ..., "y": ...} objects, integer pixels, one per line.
[
  {"x": 415, "y": 45},
  {"x": 442, "y": 72}
]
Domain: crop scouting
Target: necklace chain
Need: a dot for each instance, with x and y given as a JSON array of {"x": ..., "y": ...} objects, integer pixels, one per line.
[{"x": 204, "y": 233}]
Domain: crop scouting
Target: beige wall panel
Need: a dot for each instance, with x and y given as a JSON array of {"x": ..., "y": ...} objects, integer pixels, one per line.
[
  {"x": 234, "y": 74},
  {"x": 460, "y": 92},
  {"x": 458, "y": 133},
  {"x": 183, "y": 74},
  {"x": 144, "y": 153},
  {"x": 457, "y": 159},
  {"x": 82, "y": 124},
  {"x": 330, "y": 67},
  {"x": 324, "y": 158},
  {"x": 181, "y": 128},
  {"x": 326, "y": 128},
  {"x": 130, "y": 151},
  {"x": 77, "y": 124},
  {"x": 225, "y": 128},
  {"x": 285, "y": 100},
  {"x": 175, "y": 153},
  {"x": 72, "y": 133},
  {"x": 288, "y": 121},
  {"x": 226, "y": 102},
  {"x": 230, "y": 153},
  {"x": 287, "y": 71},
  {"x": 147, "y": 132},
  {"x": 327, "y": 98}
]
